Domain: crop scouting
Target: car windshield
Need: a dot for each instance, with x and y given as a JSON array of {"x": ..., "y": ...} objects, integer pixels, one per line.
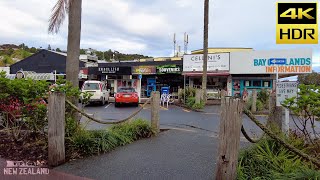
[
  {"x": 91, "y": 86},
  {"x": 126, "y": 90}
]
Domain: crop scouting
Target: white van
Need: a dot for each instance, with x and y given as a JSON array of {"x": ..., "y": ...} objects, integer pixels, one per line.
[{"x": 99, "y": 91}]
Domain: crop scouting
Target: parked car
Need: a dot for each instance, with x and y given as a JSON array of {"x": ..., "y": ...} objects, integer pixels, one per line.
[
  {"x": 99, "y": 91},
  {"x": 126, "y": 95}
]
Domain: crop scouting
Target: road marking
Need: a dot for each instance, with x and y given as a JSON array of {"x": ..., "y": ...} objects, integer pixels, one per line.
[
  {"x": 185, "y": 110},
  {"x": 107, "y": 106},
  {"x": 213, "y": 113},
  {"x": 90, "y": 114},
  {"x": 163, "y": 108}
]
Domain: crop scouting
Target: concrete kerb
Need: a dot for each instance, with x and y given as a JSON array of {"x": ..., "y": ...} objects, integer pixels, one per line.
[{"x": 186, "y": 107}]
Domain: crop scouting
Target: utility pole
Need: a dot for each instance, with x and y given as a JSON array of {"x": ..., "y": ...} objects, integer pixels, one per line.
[{"x": 205, "y": 49}]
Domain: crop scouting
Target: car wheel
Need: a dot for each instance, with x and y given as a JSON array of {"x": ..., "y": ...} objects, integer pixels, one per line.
[
  {"x": 116, "y": 104},
  {"x": 136, "y": 104}
]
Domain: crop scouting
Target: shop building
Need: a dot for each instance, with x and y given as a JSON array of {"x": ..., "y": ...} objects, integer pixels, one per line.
[
  {"x": 218, "y": 70},
  {"x": 144, "y": 76}
]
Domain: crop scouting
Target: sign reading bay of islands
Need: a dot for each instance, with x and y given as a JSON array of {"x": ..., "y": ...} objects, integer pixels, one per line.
[
  {"x": 296, "y": 61},
  {"x": 286, "y": 90},
  {"x": 297, "y": 23}
]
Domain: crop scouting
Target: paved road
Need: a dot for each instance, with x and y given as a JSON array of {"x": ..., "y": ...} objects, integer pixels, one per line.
[
  {"x": 187, "y": 151},
  {"x": 174, "y": 154},
  {"x": 174, "y": 116}
]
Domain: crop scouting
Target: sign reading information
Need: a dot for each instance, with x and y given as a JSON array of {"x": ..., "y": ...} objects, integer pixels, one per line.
[
  {"x": 295, "y": 61},
  {"x": 286, "y": 90}
]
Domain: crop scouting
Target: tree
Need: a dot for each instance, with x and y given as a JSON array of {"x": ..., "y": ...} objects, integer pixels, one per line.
[
  {"x": 58, "y": 50},
  {"x": 309, "y": 79},
  {"x": 33, "y": 50},
  {"x": 205, "y": 49},
  {"x": 82, "y": 51},
  {"x": 73, "y": 8}
]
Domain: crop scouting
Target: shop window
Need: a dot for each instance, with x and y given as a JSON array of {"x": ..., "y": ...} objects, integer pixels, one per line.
[
  {"x": 257, "y": 83},
  {"x": 247, "y": 83},
  {"x": 266, "y": 84}
]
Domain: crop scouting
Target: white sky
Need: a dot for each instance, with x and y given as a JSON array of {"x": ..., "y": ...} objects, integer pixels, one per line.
[{"x": 147, "y": 26}]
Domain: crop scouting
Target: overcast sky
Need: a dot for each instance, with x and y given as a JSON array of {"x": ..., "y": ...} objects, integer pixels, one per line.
[{"x": 147, "y": 26}]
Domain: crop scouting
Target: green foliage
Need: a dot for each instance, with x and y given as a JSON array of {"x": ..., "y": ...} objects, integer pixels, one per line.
[
  {"x": 263, "y": 96},
  {"x": 190, "y": 101},
  {"x": 310, "y": 79},
  {"x": 307, "y": 102},
  {"x": 26, "y": 90},
  {"x": 36, "y": 117},
  {"x": 190, "y": 92},
  {"x": 198, "y": 105},
  {"x": 306, "y": 107},
  {"x": 71, "y": 126},
  {"x": 99, "y": 141},
  {"x": 259, "y": 105},
  {"x": 108, "y": 55},
  {"x": 269, "y": 160}
]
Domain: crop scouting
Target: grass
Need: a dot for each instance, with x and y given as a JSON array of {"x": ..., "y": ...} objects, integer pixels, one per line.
[
  {"x": 85, "y": 143},
  {"x": 269, "y": 160}
]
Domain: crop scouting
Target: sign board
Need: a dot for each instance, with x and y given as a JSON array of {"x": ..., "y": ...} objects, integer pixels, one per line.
[
  {"x": 286, "y": 90},
  {"x": 216, "y": 62},
  {"x": 140, "y": 76},
  {"x": 114, "y": 70},
  {"x": 144, "y": 70},
  {"x": 169, "y": 69},
  {"x": 297, "y": 61}
]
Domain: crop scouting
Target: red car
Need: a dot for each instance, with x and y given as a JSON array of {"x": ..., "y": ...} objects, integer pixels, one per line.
[{"x": 126, "y": 95}]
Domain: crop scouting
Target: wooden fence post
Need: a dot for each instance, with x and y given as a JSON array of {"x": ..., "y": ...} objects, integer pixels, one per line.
[
  {"x": 229, "y": 138},
  {"x": 254, "y": 101},
  {"x": 180, "y": 91},
  {"x": 155, "y": 111},
  {"x": 199, "y": 95},
  {"x": 56, "y": 128},
  {"x": 275, "y": 113}
]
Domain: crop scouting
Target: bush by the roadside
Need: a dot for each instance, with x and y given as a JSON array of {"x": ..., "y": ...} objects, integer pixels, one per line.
[
  {"x": 198, "y": 105},
  {"x": 190, "y": 101},
  {"x": 259, "y": 104},
  {"x": 84, "y": 143},
  {"x": 269, "y": 160}
]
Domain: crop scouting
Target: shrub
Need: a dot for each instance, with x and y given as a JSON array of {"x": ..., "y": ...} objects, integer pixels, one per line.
[
  {"x": 269, "y": 160},
  {"x": 259, "y": 104},
  {"x": 99, "y": 141},
  {"x": 263, "y": 96},
  {"x": 190, "y": 92},
  {"x": 198, "y": 105},
  {"x": 190, "y": 101}
]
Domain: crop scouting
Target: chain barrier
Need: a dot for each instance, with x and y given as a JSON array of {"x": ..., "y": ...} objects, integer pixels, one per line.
[
  {"x": 104, "y": 122},
  {"x": 282, "y": 142},
  {"x": 253, "y": 140}
]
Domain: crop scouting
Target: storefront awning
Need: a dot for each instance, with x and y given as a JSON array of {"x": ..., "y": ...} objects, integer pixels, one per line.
[{"x": 208, "y": 74}]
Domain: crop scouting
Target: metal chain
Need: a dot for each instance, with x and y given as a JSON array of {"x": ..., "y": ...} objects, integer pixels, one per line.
[{"x": 105, "y": 122}]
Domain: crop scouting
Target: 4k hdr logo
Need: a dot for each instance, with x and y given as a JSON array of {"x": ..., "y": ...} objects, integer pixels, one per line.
[{"x": 297, "y": 23}]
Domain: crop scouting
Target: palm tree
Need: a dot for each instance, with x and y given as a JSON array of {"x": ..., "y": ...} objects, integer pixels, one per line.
[
  {"x": 73, "y": 8},
  {"x": 205, "y": 49}
]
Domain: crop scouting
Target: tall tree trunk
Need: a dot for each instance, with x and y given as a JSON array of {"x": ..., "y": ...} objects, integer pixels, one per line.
[
  {"x": 73, "y": 49},
  {"x": 205, "y": 49}
]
